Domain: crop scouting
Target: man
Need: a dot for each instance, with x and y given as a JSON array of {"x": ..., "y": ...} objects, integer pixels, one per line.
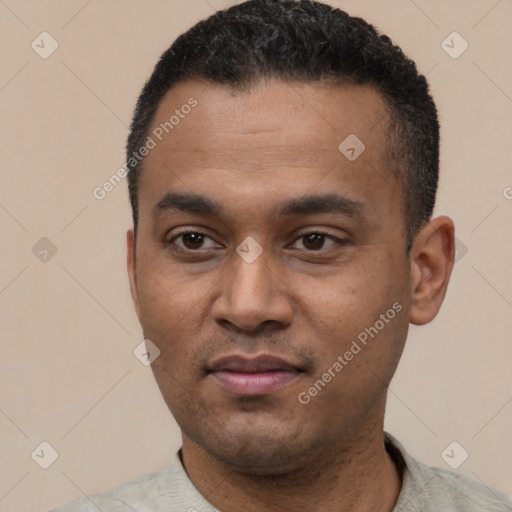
[{"x": 283, "y": 165}]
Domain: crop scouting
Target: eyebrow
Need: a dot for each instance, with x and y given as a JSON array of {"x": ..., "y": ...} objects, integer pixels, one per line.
[
  {"x": 306, "y": 205},
  {"x": 327, "y": 203},
  {"x": 188, "y": 203}
]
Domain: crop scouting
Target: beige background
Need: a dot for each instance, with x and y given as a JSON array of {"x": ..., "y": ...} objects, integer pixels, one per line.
[{"x": 68, "y": 375}]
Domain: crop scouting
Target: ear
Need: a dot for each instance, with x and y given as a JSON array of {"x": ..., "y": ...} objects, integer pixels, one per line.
[
  {"x": 432, "y": 259},
  {"x": 131, "y": 264}
]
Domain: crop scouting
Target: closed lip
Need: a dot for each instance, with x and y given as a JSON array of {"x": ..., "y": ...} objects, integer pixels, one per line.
[
  {"x": 245, "y": 376},
  {"x": 260, "y": 364}
]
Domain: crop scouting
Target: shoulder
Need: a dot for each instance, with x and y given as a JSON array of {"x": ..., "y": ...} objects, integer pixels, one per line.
[
  {"x": 458, "y": 492},
  {"x": 427, "y": 488},
  {"x": 133, "y": 496},
  {"x": 169, "y": 489}
]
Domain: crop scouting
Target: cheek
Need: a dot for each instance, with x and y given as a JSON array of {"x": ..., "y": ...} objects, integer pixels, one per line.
[
  {"x": 358, "y": 347},
  {"x": 382, "y": 280},
  {"x": 166, "y": 306},
  {"x": 164, "y": 296},
  {"x": 175, "y": 308},
  {"x": 349, "y": 304}
]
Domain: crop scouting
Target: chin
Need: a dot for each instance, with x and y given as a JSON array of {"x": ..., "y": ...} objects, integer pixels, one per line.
[
  {"x": 249, "y": 451},
  {"x": 253, "y": 461}
]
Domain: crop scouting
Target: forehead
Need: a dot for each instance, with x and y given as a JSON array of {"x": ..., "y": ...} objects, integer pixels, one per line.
[
  {"x": 277, "y": 134},
  {"x": 298, "y": 118}
]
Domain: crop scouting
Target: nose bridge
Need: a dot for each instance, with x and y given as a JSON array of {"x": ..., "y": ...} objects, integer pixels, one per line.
[
  {"x": 251, "y": 294},
  {"x": 251, "y": 282}
]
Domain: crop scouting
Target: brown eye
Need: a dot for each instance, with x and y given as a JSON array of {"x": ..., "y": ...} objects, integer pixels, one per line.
[
  {"x": 315, "y": 241},
  {"x": 191, "y": 241}
]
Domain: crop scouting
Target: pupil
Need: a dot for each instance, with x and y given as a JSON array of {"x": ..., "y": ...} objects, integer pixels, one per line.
[
  {"x": 193, "y": 240},
  {"x": 314, "y": 241}
]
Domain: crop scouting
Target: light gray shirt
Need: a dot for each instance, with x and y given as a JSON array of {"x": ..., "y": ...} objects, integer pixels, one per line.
[{"x": 424, "y": 489}]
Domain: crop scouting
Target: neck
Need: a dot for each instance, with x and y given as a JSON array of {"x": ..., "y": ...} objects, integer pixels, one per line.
[{"x": 359, "y": 477}]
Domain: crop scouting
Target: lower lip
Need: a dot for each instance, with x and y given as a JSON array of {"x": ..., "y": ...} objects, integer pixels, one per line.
[{"x": 254, "y": 384}]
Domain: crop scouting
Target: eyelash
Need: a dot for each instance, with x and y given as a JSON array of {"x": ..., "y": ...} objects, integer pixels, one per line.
[{"x": 338, "y": 241}]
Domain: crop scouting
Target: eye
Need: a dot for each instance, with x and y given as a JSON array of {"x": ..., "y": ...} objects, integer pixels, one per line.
[
  {"x": 196, "y": 241},
  {"x": 315, "y": 241},
  {"x": 191, "y": 241}
]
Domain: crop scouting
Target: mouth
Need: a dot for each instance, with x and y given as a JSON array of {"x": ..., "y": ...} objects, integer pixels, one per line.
[{"x": 255, "y": 376}]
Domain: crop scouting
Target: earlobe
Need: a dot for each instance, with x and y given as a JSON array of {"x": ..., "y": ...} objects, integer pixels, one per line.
[
  {"x": 131, "y": 266},
  {"x": 432, "y": 259}
]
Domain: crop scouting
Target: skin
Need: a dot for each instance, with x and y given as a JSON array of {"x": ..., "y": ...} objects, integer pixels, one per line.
[{"x": 303, "y": 299}]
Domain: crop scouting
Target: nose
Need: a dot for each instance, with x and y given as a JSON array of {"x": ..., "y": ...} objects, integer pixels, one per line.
[{"x": 252, "y": 295}]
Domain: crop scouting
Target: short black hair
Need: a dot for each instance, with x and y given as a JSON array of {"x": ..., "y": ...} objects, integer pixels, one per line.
[{"x": 305, "y": 41}]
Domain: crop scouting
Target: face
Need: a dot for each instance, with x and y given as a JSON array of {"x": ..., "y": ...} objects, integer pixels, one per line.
[{"x": 264, "y": 256}]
